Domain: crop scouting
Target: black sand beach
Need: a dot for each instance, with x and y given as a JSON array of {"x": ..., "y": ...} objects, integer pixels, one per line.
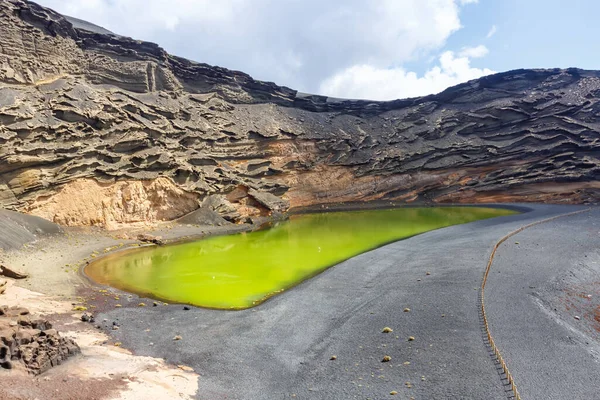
[{"x": 282, "y": 348}]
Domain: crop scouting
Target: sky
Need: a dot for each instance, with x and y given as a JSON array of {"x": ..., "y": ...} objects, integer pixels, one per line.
[{"x": 370, "y": 49}]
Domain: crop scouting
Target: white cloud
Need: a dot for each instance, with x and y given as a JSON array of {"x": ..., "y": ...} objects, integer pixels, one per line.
[
  {"x": 297, "y": 43},
  {"x": 474, "y": 52},
  {"x": 491, "y": 32},
  {"x": 368, "y": 82}
]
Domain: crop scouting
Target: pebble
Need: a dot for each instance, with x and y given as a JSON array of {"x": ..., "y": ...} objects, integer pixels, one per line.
[
  {"x": 177, "y": 337},
  {"x": 387, "y": 329},
  {"x": 407, "y": 309},
  {"x": 393, "y": 393},
  {"x": 577, "y": 317},
  {"x": 186, "y": 308},
  {"x": 411, "y": 338},
  {"x": 333, "y": 358},
  {"x": 386, "y": 359}
]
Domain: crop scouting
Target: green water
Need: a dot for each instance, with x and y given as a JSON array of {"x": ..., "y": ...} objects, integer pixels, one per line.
[{"x": 241, "y": 270}]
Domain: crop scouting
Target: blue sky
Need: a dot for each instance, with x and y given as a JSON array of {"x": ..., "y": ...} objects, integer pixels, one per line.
[
  {"x": 378, "y": 49},
  {"x": 532, "y": 33}
]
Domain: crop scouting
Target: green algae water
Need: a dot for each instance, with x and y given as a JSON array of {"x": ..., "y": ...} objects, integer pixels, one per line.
[{"x": 241, "y": 270}]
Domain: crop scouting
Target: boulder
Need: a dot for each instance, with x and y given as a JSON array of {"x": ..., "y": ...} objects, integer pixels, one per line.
[
  {"x": 147, "y": 238},
  {"x": 203, "y": 216},
  {"x": 11, "y": 273},
  {"x": 270, "y": 201},
  {"x": 32, "y": 343},
  {"x": 219, "y": 204}
]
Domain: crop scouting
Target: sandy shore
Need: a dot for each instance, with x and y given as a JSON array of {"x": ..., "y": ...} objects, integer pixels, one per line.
[{"x": 57, "y": 290}]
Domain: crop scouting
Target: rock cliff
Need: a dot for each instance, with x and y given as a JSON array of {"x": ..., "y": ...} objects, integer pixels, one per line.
[{"x": 97, "y": 128}]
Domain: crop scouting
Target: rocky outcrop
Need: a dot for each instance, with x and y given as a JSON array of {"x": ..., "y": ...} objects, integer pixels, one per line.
[
  {"x": 101, "y": 129},
  {"x": 124, "y": 202},
  {"x": 31, "y": 344}
]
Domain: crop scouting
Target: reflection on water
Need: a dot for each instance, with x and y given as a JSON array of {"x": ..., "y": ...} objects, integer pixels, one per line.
[{"x": 238, "y": 271}]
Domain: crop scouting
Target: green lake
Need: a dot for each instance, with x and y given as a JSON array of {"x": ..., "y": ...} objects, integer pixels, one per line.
[{"x": 241, "y": 270}]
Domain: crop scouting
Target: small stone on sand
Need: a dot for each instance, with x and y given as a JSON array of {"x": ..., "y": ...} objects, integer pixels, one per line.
[
  {"x": 386, "y": 359},
  {"x": 411, "y": 338},
  {"x": 387, "y": 330},
  {"x": 333, "y": 358}
]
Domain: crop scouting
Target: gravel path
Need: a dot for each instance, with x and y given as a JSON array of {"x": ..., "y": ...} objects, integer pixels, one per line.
[
  {"x": 551, "y": 354},
  {"x": 282, "y": 348}
]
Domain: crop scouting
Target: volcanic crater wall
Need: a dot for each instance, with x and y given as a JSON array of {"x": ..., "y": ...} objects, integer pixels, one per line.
[{"x": 106, "y": 130}]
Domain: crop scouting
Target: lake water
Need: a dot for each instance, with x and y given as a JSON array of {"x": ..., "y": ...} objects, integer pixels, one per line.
[{"x": 241, "y": 270}]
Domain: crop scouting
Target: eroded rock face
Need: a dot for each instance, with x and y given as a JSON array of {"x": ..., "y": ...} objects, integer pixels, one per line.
[
  {"x": 31, "y": 343},
  {"x": 85, "y": 111},
  {"x": 125, "y": 202}
]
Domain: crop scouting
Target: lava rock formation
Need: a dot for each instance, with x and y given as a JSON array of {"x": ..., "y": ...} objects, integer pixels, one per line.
[{"x": 100, "y": 129}]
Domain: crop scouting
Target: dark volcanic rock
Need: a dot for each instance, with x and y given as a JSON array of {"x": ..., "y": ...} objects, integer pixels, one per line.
[
  {"x": 203, "y": 216},
  {"x": 11, "y": 273},
  {"x": 269, "y": 200},
  {"x": 91, "y": 123},
  {"x": 32, "y": 343}
]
